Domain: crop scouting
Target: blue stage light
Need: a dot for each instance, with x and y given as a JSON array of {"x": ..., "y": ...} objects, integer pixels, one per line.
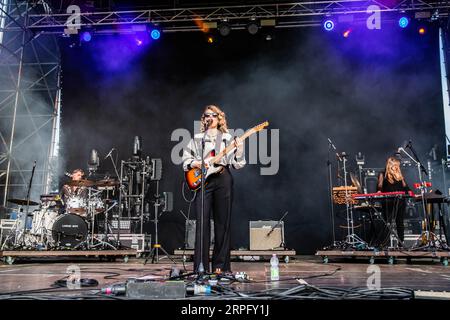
[
  {"x": 86, "y": 36},
  {"x": 155, "y": 34},
  {"x": 403, "y": 22},
  {"x": 328, "y": 25}
]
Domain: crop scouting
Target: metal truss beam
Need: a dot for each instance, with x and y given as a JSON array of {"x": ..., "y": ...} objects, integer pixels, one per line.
[{"x": 187, "y": 19}]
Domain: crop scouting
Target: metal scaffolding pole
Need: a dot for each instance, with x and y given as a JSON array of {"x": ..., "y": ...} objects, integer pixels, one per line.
[{"x": 30, "y": 102}]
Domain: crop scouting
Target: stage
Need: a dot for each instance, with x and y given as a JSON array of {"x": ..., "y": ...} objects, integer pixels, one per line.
[
  {"x": 314, "y": 131},
  {"x": 34, "y": 280}
]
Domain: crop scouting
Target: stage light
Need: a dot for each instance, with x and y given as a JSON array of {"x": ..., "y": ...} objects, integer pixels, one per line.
[
  {"x": 252, "y": 27},
  {"x": 86, "y": 36},
  {"x": 346, "y": 33},
  {"x": 155, "y": 34},
  {"x": 422, "y": 31},
  {"x": 403, "y": 22},
  {"x": 224, "y": 29},
  {"x": 210, "y": 39},
  {"x": 328, "y": 25},
  {"x": 139, "y": 42}
]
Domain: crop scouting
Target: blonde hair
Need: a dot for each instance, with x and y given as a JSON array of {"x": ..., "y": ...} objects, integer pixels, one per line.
[
  {"x": 221, "y": 117},
  {"x": 393, "y": 172}
]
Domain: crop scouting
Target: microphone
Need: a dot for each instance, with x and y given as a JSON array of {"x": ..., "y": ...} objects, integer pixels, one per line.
[
  {"x": 94, "y": 160},
  {"x": 109, "y": 153},
  {"x": 137, "y": 146},
  {"x": 432, "y": 153}
]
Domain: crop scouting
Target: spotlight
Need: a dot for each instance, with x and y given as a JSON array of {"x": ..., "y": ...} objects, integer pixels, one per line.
[
  {"x": 346, "y": 33},
  {"x": 422, "y": 31},
  {"x": 210, "y": 39},
  {"x": 403, "y": 22},
  {"x": 139, "y": 42},
  {"x": 252, "y": 28},
  {"x": 155, "y": 34},
  {"x": 86, "y": 36},
  {"x": 224, "y": 29},
  {"x": 328, "y": 25}
]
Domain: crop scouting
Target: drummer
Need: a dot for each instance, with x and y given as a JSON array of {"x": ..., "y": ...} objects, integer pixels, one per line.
[{"x": 71, "y": 189}]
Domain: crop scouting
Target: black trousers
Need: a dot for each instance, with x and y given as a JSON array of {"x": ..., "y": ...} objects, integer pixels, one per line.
[{"x": 218, "y": 201}]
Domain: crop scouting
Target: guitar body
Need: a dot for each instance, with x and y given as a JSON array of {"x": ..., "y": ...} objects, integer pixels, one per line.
[{"x": 194, "y": 176}]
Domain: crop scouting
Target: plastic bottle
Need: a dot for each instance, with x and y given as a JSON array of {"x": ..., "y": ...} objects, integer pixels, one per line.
[{"x": 274, "y": 269}]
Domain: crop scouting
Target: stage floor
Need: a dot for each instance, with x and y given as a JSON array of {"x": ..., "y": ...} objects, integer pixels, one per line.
[{"x": 418, "y": 275}]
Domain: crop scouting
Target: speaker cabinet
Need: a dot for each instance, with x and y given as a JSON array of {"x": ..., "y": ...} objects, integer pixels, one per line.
[{"x": 266, "y": 235}]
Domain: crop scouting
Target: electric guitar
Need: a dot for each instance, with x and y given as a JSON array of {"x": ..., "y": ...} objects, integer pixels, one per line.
[{"x": 194, "y": 175}]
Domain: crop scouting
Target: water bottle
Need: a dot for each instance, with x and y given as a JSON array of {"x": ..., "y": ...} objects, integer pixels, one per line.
[{"x": 274, "y": 269}]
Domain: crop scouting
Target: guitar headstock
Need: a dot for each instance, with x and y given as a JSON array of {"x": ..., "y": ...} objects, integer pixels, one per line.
[{"x": 259, "y": 127}]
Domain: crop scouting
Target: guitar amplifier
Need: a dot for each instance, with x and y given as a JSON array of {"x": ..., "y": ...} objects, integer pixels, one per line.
[
  {"x": 266, "y": 235},
  {"x": 190, "y": 234}
]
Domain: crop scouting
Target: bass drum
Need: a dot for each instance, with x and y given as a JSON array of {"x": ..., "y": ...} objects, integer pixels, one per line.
[{"x": 67, "y": 231}]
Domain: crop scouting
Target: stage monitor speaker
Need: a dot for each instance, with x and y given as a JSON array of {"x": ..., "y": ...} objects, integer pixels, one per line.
[
  {"x": 190, "y": 234},
  {"x": 266, "y": 235}
]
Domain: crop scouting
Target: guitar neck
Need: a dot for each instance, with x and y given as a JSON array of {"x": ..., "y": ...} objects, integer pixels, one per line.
[{"x": 230, "y": 147}]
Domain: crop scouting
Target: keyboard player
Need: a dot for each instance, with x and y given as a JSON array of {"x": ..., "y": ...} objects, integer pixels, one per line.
[{"x": 393, "y": 209}]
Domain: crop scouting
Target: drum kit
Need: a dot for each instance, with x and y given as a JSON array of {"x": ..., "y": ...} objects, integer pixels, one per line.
[{"x": 56, "y": 225}]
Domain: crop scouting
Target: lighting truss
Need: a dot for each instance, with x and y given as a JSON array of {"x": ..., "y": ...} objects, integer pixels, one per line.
[{"x": 297, "y": 14}]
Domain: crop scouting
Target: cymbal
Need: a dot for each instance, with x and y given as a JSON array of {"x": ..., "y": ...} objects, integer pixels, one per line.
[
  {"x": 107, "y": 183},
  {"x": 80, "y": 183},
  {"x": 23, "y": 202},
  {"x": 79, "y": 211}
]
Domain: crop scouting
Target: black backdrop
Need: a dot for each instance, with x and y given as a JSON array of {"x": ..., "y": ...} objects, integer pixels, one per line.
[{"x": 368, "y": 92}]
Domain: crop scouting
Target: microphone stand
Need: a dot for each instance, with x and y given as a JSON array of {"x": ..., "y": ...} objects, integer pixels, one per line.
[
  {"x": 330, "y": 189},
  {"x": 282, "y": 231},
  {"x": 420, "y": 168},
  {"x": 200, "y": 268},
  {"x": 113, "y": 163}
]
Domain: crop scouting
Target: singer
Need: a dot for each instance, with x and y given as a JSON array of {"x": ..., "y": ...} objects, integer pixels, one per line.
[
  {"x": 218, "y": 189},
  {"x": 392, "y": 180}
]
